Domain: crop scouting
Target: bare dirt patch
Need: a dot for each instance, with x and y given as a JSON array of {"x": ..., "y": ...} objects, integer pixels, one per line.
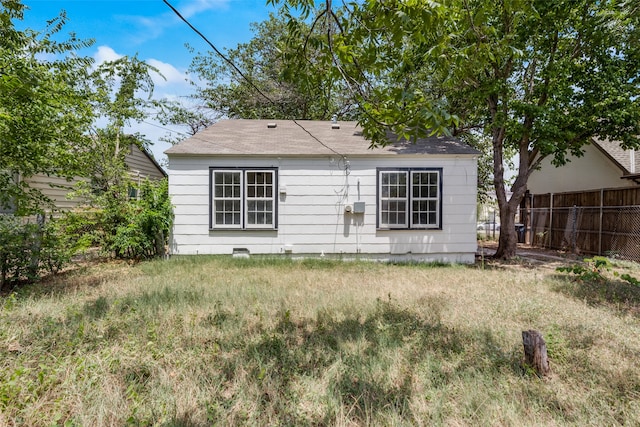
[{"x": 529, "y": 256}]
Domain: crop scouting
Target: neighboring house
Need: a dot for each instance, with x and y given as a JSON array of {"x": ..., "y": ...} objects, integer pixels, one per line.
[
  {"x": 312, "y": 187},
  {"x": 604, "y": 165},
  {"x": 140, "y": 163}
]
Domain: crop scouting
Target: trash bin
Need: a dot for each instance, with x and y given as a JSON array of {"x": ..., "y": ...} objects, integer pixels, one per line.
[{"x": 520, "y": 231}]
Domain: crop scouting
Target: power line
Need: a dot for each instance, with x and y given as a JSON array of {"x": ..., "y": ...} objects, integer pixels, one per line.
[
  {"x": 165, "y": 128},
  {"x": 227, "y": 60},
  {"x": 249, "y": 81}
]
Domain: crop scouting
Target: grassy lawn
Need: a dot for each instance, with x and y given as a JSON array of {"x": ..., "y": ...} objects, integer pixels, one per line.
[{"x": 208, "y": 340}]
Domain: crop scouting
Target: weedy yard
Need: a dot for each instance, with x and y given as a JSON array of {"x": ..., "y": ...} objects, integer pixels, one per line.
[{"x": 218, "y": 341}]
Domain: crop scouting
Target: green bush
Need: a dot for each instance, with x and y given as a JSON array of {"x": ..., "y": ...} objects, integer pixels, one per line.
[
  {"x": 597, "y": 269},
  {"x": 139, "y": 229},
  {"x": 123, "y": 227},
  {"x": 30, "y": 249},
  {"x": 120, "y": 226},
  {"x": 17, "y": 244}
]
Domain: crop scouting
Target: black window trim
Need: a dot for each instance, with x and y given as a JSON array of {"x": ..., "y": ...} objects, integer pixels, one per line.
[
  {"x": 409, "y": 197},
  {"x": 243, "y": 169}
]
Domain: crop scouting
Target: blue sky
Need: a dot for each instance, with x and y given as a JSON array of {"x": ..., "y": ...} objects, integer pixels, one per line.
[{"x": 151, "y": 30}]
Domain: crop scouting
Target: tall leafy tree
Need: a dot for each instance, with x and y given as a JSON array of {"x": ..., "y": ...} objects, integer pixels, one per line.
[
  {"x": 537, "y": 78},
  {"x": 121, "y": 94},
  {"x": 262, "y": 83},
  {"x": 44, "y": 110}
]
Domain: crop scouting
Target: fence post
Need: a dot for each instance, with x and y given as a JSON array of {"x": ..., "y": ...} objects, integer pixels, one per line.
[
  {"x": 532, "y": 234},
  {"x": 600, "y": 223},
  {"x": 550, "y": 220},
  {"x": 574, "y": 229}
]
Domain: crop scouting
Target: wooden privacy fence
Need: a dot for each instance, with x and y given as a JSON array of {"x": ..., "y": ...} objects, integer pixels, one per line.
[{"x": 599, "y": 222}]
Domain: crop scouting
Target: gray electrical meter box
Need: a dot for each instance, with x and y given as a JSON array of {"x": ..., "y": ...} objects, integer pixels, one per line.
[{"x": 358, "y": 207}]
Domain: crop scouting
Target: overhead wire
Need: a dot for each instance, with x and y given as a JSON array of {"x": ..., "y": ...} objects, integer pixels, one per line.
[{"x": 247, "y": 79}]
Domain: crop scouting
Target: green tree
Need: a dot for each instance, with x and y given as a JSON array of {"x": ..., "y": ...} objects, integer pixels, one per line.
[
  {"x": 124, "y": 226},
  {"x": 44, "y": 110},
  {"x": 121, "y": 93},
  {"x": 279, "y": 80},
  {"x": 537, "y": 78}
]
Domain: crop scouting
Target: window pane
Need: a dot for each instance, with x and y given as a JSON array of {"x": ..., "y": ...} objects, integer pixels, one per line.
[
  {"x": 243, "y": 195},
  {"x": 393, "y": 198},
  {"x": 260, "y": 212},
  {"x": 425, "y": 193},
  {"x": 227, "y": 212}
]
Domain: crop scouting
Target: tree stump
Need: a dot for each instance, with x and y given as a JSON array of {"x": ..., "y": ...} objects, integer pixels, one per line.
[{"x": 535, "y": 352}]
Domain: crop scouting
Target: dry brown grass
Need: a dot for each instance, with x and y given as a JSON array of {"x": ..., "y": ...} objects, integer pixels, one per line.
[{"x": 200, "y": 341}]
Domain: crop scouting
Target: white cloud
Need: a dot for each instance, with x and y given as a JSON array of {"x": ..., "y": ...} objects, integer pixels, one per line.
[
  {"x": 105, "y": 54},
  {"x": 198, "y": 6},
  {"x": 171, "y": 76},
  {"x": 170, "y": 73},
  {"x": 153, "y": 27}
]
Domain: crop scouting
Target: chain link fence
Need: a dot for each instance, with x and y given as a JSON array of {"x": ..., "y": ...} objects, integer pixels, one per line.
[{"x": 590, "y": 230}]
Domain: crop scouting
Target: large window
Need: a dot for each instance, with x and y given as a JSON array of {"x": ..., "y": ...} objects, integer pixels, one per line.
[
  {"x": 243, "y": 198},
  {"x": 409, "y": 198}
]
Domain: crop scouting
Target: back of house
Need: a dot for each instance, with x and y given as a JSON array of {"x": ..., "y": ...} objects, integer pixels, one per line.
[{"x": 318, "y": 188}]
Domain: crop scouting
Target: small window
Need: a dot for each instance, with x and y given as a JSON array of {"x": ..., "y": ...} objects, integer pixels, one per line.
[
  {"x": 133, "y": 193},
  {"x": 243, "y": 198},
  {"x": 409, "y": 198}
]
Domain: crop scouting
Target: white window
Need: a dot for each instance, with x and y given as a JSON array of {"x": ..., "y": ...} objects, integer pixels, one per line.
[
  {"x": 409, "y": 198},
  {"x": 243, "y": 198}
]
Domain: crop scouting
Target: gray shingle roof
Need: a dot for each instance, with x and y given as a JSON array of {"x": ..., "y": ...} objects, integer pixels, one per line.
[
  {"x": 620, "y": 156},
  {"x": 307, "y": 138}
]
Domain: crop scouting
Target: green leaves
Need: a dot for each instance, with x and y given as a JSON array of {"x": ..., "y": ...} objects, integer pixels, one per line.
[
  {"x": 49, "y": 101},
  {"x": 539, "y": 78},
  {"x": 287, "y": 75},
  {"x": 44, "y": 114}
]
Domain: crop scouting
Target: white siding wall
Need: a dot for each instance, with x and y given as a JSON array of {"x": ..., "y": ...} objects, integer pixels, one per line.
[
  {"x": 311, "y": 216},
  {"x": 592, "y": 171}
]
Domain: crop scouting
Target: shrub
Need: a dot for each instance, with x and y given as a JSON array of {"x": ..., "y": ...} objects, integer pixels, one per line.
[
  {"x": 29, "y": 249},
  {"x": 597, "y": 269},
  {"x": 140, "y": 228},
  {"x": 124, "y": 227}
]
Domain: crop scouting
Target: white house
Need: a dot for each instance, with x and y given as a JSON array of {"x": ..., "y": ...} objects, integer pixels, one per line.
[
  {"x": 316, "y": 187},
  {"x": 604, "y": 164}
]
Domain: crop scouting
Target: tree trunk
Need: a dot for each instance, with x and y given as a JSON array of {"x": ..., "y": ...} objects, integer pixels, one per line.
[
  {"x": 535, "y": 352},
  {"x": 508, "y": 240}
]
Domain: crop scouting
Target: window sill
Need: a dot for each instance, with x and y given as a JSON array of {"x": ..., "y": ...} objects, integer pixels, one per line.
[
  {"x": 409, "y": 229},
  {"x": 241, "y": 230}
]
